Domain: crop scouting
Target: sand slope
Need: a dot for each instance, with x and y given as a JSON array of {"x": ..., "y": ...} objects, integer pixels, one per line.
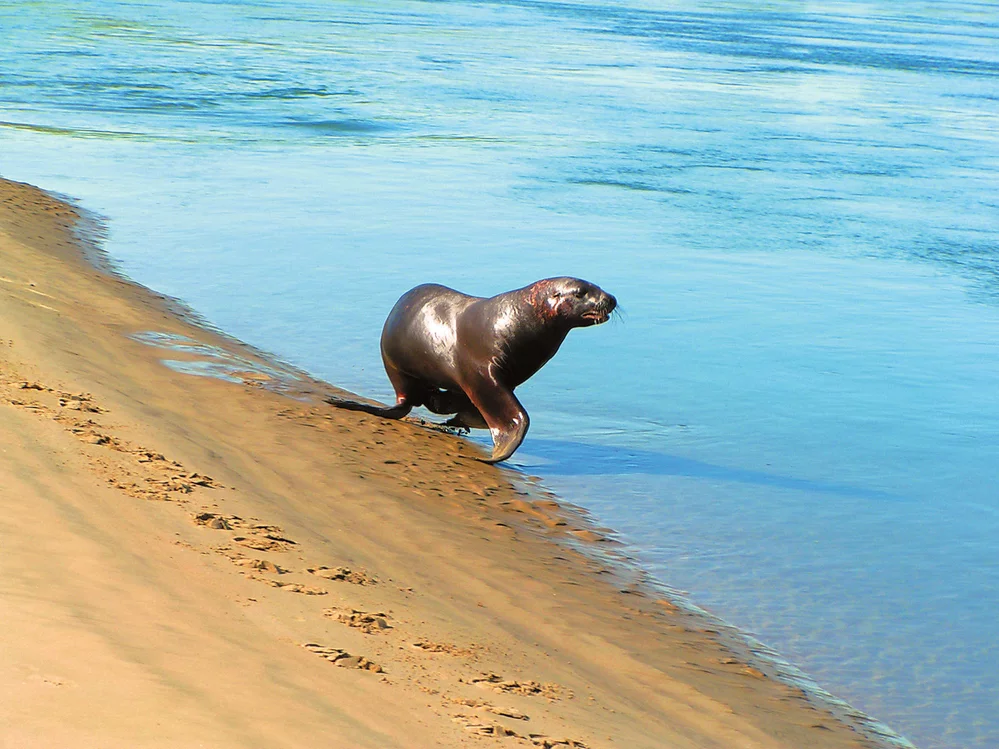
[{"x": 188, "y": 561}]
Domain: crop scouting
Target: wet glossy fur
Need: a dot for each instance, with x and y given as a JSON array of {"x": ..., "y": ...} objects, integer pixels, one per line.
[{"x": 465, "y": 355}]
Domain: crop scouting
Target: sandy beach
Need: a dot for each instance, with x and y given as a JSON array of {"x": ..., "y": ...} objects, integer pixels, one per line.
[{"x": 196, "y": 561}]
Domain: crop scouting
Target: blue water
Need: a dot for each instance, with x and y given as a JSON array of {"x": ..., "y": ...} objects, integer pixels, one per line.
[{"x": 796, "y": 421}]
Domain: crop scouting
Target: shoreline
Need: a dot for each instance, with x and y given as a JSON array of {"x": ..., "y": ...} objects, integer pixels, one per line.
[{"x": 314, "y": 539}]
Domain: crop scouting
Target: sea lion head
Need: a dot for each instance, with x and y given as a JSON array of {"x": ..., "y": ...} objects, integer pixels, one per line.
[{"x": 573, "y": 301}]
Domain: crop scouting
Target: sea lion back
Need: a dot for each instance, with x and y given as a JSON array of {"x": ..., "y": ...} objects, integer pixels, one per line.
[{"x": 419, "y": 336}]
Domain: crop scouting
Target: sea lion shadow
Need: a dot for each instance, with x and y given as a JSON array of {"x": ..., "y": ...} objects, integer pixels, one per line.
[{"x": 568, "y": 458}]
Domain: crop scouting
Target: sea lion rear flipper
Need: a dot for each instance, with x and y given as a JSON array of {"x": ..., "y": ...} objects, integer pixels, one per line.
[
  {"x": 506, "y": 418},
  {"x": 386, "y": 412},
  {"x": 455, "y": 402}
]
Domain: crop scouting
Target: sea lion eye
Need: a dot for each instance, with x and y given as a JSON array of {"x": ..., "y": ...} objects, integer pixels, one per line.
[{"x": 579, "y": 293}]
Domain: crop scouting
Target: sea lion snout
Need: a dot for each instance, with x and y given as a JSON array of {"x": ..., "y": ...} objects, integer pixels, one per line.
[
  {"x": 607, "y": 303},
  {"x": 601, "y": 305},
  {"x": 575, "y": 301}
]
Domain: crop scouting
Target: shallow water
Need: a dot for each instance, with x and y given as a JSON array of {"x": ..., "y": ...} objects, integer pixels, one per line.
[{"x": 795, "y": 420}]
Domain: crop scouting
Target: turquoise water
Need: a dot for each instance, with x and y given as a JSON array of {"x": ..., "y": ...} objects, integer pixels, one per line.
[{"x": 796, "y": 420}]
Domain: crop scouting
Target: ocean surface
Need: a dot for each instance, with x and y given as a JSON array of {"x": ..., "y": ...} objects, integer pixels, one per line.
[{"x": 795, "y": 422}]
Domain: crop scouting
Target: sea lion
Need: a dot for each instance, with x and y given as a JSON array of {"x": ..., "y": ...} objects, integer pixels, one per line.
[{"x": 465, "y": 355}]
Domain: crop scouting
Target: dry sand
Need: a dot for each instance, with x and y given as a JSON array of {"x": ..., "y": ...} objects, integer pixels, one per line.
[{"x": 194, "y": 562}]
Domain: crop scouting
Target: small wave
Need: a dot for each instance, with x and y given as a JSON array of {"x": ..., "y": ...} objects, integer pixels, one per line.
[
  {"x": 626, "y": 185},
  {"x": 299, "y": 92},
  {"x": 77, "y": 132},
  {"x": 346, "y": 126}
]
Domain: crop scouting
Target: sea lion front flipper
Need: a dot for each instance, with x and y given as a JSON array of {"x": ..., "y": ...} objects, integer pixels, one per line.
[{"x": 506, "y": 418}]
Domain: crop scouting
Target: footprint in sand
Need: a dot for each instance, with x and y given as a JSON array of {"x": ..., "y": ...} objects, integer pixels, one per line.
[
  {"x": 439, "y": 647},
  {"x": 93, "y": 438},
  {"x": 475, "y": 724},
  {"x": 182, "y": 483},
  {"x": 485, "y": 727},
  {"x": 263, "y": 565},
  {"x": 264, "y": 542},
  {"x": 370, "y": 623},
  {"x": 356, "y": 577},
  {"x": 258, "y": 536},
  {"x": 213, "y": 520},
  {"x": 530, "y": 688},
  {"x": 79, "y": 402},
  {"x": 33, "y": 386},
  {"x": 342, "y": 658},
  {"x": 217, "y": 522},
  {"x": 292, "y": 587},
  {"x": 506, "y": 712},
  {"x": 87, "y": 430},
  {"x": 546, "y": 742},
  {"x": 72, "y": 406},
  {"x": 148, "y": 456}
]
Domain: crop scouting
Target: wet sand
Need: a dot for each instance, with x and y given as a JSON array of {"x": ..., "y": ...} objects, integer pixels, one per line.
[{"x": 226, "y": 562}]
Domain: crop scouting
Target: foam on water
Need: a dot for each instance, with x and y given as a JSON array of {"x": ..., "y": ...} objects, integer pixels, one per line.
[{"x": 796, "y": 421}]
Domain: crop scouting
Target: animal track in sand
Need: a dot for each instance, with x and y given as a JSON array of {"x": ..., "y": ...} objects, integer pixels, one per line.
[
  {"x": 342, "y": 658},
  {"x": 80, "y": 403},
  {"x": 216, "y": 521},
  {"x": 485, "y": 727},
  {"x": 26, "y": 385},
  {"x": 137, "y": 471},
  {"x": 370, "y": 623},
  {"x": 263, "y": 565},
  {"x": 546, "y": 742},
  {"x": 259, "y": 536},
  {"x": 265, "y": 542},
  {"x": 439, "y": 647},
  {"x": 292, "y": 587},
  {"x": 531, "y": 688},
  {"x": 356, "y": 577},
  {"x": 144, "y": 473},
  {"x": 506, "y": 712},
  {"x": 475, "y": 724}
]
